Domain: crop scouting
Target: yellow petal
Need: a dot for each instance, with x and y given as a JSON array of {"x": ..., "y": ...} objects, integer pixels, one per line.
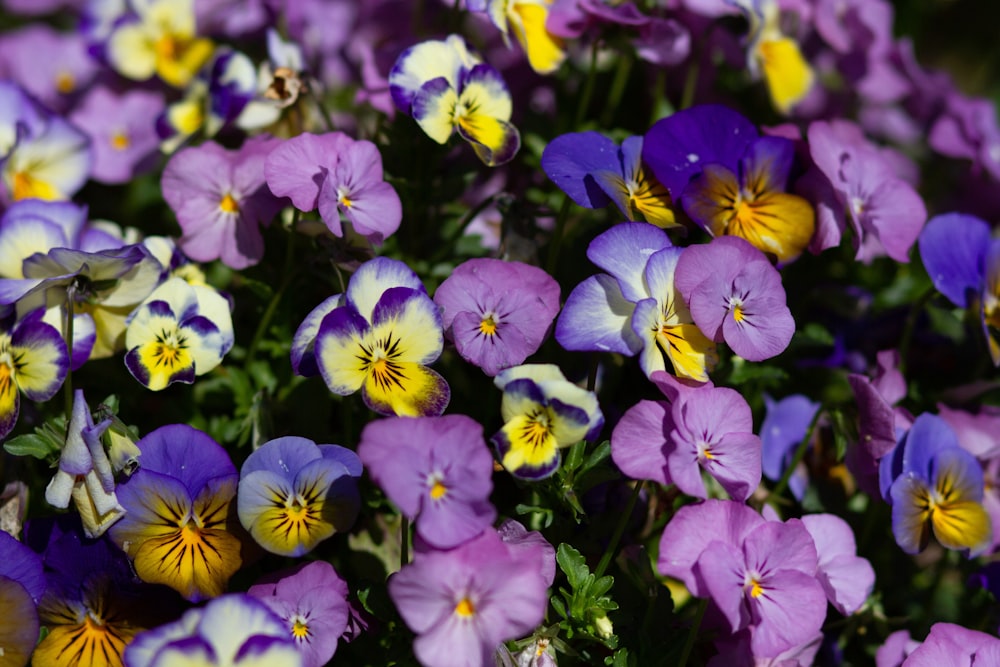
[{"x": 789, "y": 77}]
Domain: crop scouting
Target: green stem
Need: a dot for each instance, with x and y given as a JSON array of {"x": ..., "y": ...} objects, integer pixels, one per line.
[
  {"x": 617, "y": 89},
  {"x": 557, "y": 237},
  {"x": 691, "y": 81},
  {"x": 800, "y": 453},
  {"x": 322, "y": 110},
  {"x": 659, "y": 95},
  {"x": 68, "y": 333},
  {"x": 693, "y": 635},
  {"x": 272, "y": 306},
  {"x": 446, "y": 245},
  {"x": 588, "y": 87},
  {"x": 612, "y": 548},
  {"x": 911, "y": 322}
]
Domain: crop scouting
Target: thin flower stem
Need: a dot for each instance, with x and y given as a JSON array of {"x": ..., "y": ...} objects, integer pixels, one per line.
[
  {"x": 588, "y": 87},
  {"x": 272, "y": 306},
  {"x": 612, "y": 548},
  {"x": 557, "y": 237},
  {"x": 322, "y": 110},
  {"x": 617, "y": 88},
  {"x": 68, "y": 333},
  {"x": 470, "y": 215},
  {"x": 693, "y": 635},
  {"x": 800, "y": 453},
  {"x": 911, "y": 322}
]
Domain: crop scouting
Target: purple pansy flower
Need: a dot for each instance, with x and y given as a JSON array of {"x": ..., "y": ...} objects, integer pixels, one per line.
[
  {"x": 54, "y": 67},
  {"x": 736, "y": 296},
  {"x": 950, "y": 644},
  {"x": 935, "y": 485},
  {"x": 293, "y": 494},
  {"x": 311, "y": 599},
  {"x": 884, "y": 211},
  {"x": 846, "y": 578},
  {"x": 785, "y": 424},
  {"x": 708, "y": 428},
  {"x": 339, "y": 176},
  {"x": 730, "y": 180},
  {"x": 462, "y": 603},
  {"x": 437, "y": 470},
  {"x": 220, "y": 200},
  {"x": 963, "y": 260},
  {"x": 33, "y": 361},
  {"x": 22, "y": 584},
  {"x": 594, "y": 171},
  {"x": 498, "y": 313}
]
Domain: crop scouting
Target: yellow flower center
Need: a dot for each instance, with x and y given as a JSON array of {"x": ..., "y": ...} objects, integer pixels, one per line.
[
  {"x": 26, "y": 186},
  {"x": 65, "y": 83},
  {"x": 229, "y": 205},
  {"x": 756, "y": 590},
  {"x": 299, "y": 629},
  {"x": 120, "y": 141},
  {"x": 738, "y": 313},
  {"x": 465, "y": 608},
  {"x": 488, "y": 325},
  {"x": 167, "y": 47},
  {"x": 438, "y": 490}
]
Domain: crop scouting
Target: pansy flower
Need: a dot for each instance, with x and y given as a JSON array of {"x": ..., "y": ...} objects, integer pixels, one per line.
[
  {"x": 33, "y": 361},
  {"x": 56, "y": 79},
  {"x": 235, "y": 630},
  {"x": 963, "y": 261},
  {"x": 497, "y": 313},
  {"x": 542, "y": 413},
  {"x": 527, "y": 19},
  {"x": 85, "y": 473},
  {"x": 312, "y": 601},
  {"x": 339, "y": 176},
  {"x": 174, "y": 336},
  {"x": 736, "y": 296},
  {"x": 635, "y": 308},
  {"x": 464, "y": 602},
  {"x": 708, "y": 428},
  {"x": 22, "y": 584},
  {"x": 730, "y": 180},
  {"x": 381, "y": 340},
  {"x": 593, "y": 171},
  {"x": 51, "y": 164},
  {"x": 158, "y": 37},
  {"x": 293, "y": 494},
  {"x": 178, "y": 530},
  {"x": 437, "y": 470},
  {"x": 935, "y": 486},
  {"x": 221, "y": 200},
  {"x": 447, "y": 88}
]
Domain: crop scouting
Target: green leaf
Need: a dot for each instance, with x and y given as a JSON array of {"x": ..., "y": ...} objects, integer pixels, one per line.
[
  {"x": 573, "y": 564},
  {"x": 32, "y": 444}
]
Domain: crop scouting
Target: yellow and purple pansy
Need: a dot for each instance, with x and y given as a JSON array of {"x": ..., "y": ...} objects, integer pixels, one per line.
[
  {"x": 542, "y": 412},
  {"x": 380, "y": 340},
  {"x": 33, "y": 361},
  {"x": 179, "y": 332},
  {"x": 178, "y": 525},
  {"x": 447, "y": 88},
  {"x": 293, "y": 494}
]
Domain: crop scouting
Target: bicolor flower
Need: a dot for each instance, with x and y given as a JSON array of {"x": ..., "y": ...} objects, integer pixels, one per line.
[
  {"x": 774, "y": 55},
  {"x": 311, "y": 599},
  {"x": 861, "y": 188},
  {"x": 542, "y": 413},
  {"x": 437, "y": 470},
  {"x": 594, "y": 171},
  {"x": 636, "y": 307},
  {"x": 447, "y": 88},
  {"x": 235, "y": 630},
  {"x": 730, "y": 180},
  {"x": 963, "y": 261},
  {"x": 708, "y": 428},
  {"x": 105, "y": 287},
  {"x": 158, "y": 38},
  {"x": 380, "y": 341},
  {"x": 85, "y": 473},
  {"x": 293, "y": 494},
  {"x": 51, "y": 164},
  {"x": 736, "y": 296},
  {"x": 173, "y": 335},
  {"x": 464, "y": 602},
  {"x": 33, "y": 361},
  {"x": 221, "y": 200},
  {"x": 760, "y": 574},
  {"x": 341, "y": 177},
  {"x": 936, "y": 487},
  {"x": 498, "y": 313},
  {"x": 37, "y": 226},
  {"x": 22, "y": 584},
  {"x": 527, "y": 20},
  {"x": 178, "y": 529}
]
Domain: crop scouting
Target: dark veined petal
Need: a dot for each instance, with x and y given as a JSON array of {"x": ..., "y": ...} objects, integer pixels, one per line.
[
  {"x": 40, "y": 359},
  {"x": 405, "y": 389}
]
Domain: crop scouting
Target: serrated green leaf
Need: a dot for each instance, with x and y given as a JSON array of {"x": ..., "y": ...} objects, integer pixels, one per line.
[
  {"x": 31, "y": 444},
  {"x": 573, "y": 564}
]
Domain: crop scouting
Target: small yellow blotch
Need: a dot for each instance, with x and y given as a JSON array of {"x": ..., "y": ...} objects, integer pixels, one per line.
[
  {"x": 120, "y": 141},
  {"x": 756, "y": 590},
  {"x": 26, "y": 186},
  {"x": 465, "y": 608},
  {"x": 738, "y": 313},
  {"x": 438, "y": 490},
  {"x": 167, "y": 47},
  {"x": 65, "y": 83},
  {"x": 708, "y": 454},
  {"x": 488, "y": 326},
  {"x": 229, "y": 205},
  {"x": 300, "y": 630},
  {"x": 345, "y": 201}
]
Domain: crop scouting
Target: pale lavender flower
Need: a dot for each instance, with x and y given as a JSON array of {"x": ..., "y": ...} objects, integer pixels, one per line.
[
  {"x": 950, "y": 644},
  {"x": 54, "y": 67}
]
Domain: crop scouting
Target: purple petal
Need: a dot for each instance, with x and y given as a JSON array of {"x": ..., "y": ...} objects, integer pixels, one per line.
[
  {"x": 847, "y": 579},
  {"x": 571, "y": 160},
  {"x": 296, "y": 168},
  {"x": 624, "y": 250},
  {"x": 185, "y": 453},
  {"x": 596, "y": 317},
  {"x": 791, "y": 611},
  {"x": 284, "y": 456},
  {"x": 640, "y": 441},
  {"x": 953, "y": 249},
  {"x": 765, "y": 330}
]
